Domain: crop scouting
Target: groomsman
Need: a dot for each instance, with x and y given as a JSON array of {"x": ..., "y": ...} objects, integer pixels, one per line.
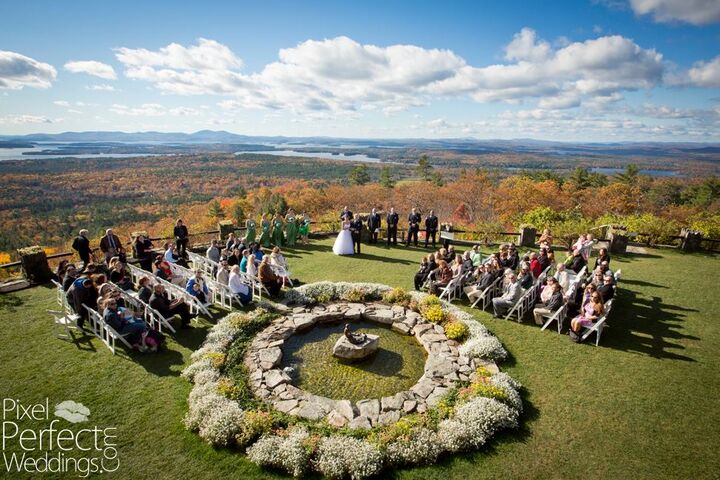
[
  {"x": 392, "y": 223},
  {"x": 431, "y": 228},
  {"x": 374, "y": 222},
  {"x": 356, "y": 227},
  {"x": 413, "y": 227}
]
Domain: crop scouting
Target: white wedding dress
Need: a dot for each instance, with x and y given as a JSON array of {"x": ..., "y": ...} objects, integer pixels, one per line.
[{"x": 343, "y": 243}]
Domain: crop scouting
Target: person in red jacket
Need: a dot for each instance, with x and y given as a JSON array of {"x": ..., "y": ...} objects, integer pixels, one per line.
[{"x": 535, "y": 266}]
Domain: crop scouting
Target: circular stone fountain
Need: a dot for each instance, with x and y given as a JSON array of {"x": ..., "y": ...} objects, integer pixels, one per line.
[{"x": 398, "y": 380}]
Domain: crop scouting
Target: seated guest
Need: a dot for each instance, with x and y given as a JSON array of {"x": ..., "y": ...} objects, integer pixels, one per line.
[
  {"x": 563, "y": 277},
  {"x": 467, "y": 265},
  {"x": 603, "y": 256},
  {"x": 578, "y": 262},
  {"x": 604, "y": 268},
  {"x": 143, "y": 252},
  {"x": 213, "y": 252},
  {"x": 607, "y": 288},
  {"x": 272, "y": 282},
  {"x": 551, "y": 304},
  {"x": 223, "y": 274},
  {"x": 197, "y": 287},
  {"x": 232, "y": 242},
  {"x": 476, "y": 256},
  {"x": 485, "y": 279},
  {"x": 258, "y": 252},
  {"x": 547, "y": 290},
  {"x": 144, "y": 290},
  {"x": 251, "y": 266},
  {"x": 239, "y": 288},
  {"x": 512, "y": 291},
  {"x": 243, "y": 261},
  {"x": 441, "y": 277},
  {"x": 120, "y": 277},
  {"x": 544, "y": 260},
  {"x": 170, "y": 255},
  {"x": 235, "y": 258},
  {"x": 440, "y": 255},
  {"x": 163, "y": 271},
  {"x": 450, "y": 255},
  {"x": 135, "y": 331},
  {"x": 591, "y": 311},
  {"x": 525, "y": 277},
  {"x": 71, "y": 274},
  {"x": 422, "y": 273},
  {"x": 280, "y": 265},
  {"x": 169, "y": 308},
  {"x": 457, "y": 265},
  {"x": 512, "y": 257},
  {"x": 535, "y": 267}
]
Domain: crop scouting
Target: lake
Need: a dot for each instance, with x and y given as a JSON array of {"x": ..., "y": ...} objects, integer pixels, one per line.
[
  {"x": 649, "y": 172},
  {"x": 328, "y": 155}
]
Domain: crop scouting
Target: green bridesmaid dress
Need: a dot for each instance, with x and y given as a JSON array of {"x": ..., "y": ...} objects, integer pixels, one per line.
[
  {"x": 290, "y": 230},
  {"x": 277, "y": 233},
  {"x": 265, "y": 236},
  {"x": 250, "y": 232}
]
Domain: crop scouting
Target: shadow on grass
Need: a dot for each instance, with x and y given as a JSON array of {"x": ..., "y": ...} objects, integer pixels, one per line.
[
  {"x": 9, "y": 301},
  {"x": 648, "y": 327},
  {"x": 158, "y": 363},
  {"x": 366, "y": 256}
]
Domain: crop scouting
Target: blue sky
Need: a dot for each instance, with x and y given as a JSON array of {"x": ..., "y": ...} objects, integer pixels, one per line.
[{"x": 589, "y": 70}]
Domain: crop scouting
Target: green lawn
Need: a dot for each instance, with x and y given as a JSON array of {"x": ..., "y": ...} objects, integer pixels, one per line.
[{"x": 642, "y": 405}]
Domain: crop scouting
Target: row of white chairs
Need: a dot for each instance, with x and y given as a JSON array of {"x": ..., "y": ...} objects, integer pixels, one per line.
[
  {"x": 210, "y": 268},
  {"x": 173, "y": 291}
]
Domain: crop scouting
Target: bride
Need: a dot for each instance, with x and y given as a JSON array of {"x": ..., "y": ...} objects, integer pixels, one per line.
[{"x": 343, "y": 242}]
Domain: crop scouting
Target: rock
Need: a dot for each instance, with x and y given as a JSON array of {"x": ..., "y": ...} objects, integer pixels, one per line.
[
  {"x": 270, "y": 356},
  {"x": 421, "y": 328},
  {"x": 436, "y": 395},
  {"x": 401, "y": 328},
  {"x": 398, "y": 309},
  {"x": 423, "y": 388},
  {"x": 488, "y": 365},
  {"x": 369, "y": 409},
  {"x": 360, "y": 422},
  {"x": 285, "y": 405},
  {"x": 345, "y": 349},
  {"x": 273, "y": 378},
  {"x": 303, "y": 322},
  {"x": 387, "y": 418},
  {"x": 298, "y": 310},
  {"x": 344, "y": 408},
  {"x": 433, "y": 337},
  {"x": 336, "y": 419},
  {"x": 384, "y": 316},
  {"x": 421, "y": 407},
  {"x": 438, "y": 367},
  {"x": 391, "y": 403},
  {"x": 409, "y": 405},
  {"x": 439, "y": 329},
  {"x": 279, "y": 389},
  {"x": 352, "y": 314},
  {"x": 311, "y": 411}
]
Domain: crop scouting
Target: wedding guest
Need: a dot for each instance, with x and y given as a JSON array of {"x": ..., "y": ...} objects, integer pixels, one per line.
[
  {"x": 223, "y": 274},
  {"x": 551, "y": 304},
  {"x": 181, "y": 237},
  {"x": 213, "y": 252},
  {"x": 512, "y": 291},
  {"x": 169, "y": 308},
  {"x": 267, "y": 277},
  {"x": 239, "y": 288},
  {"x": 197, "y": 287},
  {"x": 591, "y": 311},
  {"x": 81, "y": 244},
  {"x": 143, "y": 252},
  {"x": 144, "y": 290},
  {"x": 442, "y": 277},
  {"x": 110, "y": 245},
  {"x": 431, "y": 228},
  {"x": 603, "y": 256}
]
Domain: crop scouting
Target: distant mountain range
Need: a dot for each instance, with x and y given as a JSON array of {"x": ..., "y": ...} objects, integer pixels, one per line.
[{"x": 467, "y": 145}]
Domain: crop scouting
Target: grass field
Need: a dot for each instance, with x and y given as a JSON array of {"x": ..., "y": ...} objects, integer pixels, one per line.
[{"x": 643, "y": 405}]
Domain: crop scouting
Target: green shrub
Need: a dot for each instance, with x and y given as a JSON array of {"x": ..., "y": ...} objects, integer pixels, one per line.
[
  {"x": 356, "y": 295},
  {"x": 255, "y": 423},
  {"x": 397, "y": 296},
  {"x": 217, "y": 360},
  {"x": 228, "y": 389}
]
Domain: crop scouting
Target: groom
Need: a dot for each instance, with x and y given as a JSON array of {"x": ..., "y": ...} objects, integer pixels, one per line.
[{"x": 356, "y": 226}]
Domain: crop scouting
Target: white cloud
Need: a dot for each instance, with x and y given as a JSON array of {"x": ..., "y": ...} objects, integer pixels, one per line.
[
  {"x": 103, "y": 87},
  {"x": 696, "y": 12},
  {"x": 206, "y": 55},
  {"x": 525, "y": 46},
  {"x": 91, "y": 67},
  {"x": 18, "y": 71},
  {"x": 24, "y": 119},
  {"x": 61, "y": 103},
  {"x": 705, "y": 74},
  {"x": 152, "y": 110}
]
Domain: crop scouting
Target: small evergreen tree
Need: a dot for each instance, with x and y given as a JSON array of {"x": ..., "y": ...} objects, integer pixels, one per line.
[
  {"x": 386, "y": 179},
  {"x": 216, "y": 210},
  {"x": 359, "y": 175},
  {"x": 424, "y": 169}
]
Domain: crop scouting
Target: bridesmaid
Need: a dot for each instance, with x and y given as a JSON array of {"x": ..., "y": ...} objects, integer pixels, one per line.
[
  {"x": 277, "y": 230},
  {"x": 304, "y": 229},
  {"x": 290, "y": 228},
  {"x": 265, "y": 236},
  {"x": 250, "y": 231}
]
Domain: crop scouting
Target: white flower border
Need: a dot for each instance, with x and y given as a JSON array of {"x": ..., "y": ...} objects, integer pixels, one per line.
[{"x": 219, "y": 419}]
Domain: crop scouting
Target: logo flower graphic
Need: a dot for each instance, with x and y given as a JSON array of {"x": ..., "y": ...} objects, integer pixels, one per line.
[{"x": 72, "y": 411}]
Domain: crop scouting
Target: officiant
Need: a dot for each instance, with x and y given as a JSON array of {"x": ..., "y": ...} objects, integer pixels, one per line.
[{"x": 374, "y": 223}]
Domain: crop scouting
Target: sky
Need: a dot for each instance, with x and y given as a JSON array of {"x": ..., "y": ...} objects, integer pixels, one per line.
[{"x": 577, "y": 70}]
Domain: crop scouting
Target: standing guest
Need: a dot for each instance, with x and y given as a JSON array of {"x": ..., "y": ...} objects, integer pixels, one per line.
[
  {"x": 169, "y": 308},
  {"x": 110, "y": 245},
  {"x": 197, "y": 287},
  {"x": 181, "y": 237},
  {"x": 250, "y": 230},
  {"x": 144, "y": 290},
  {"x": 82, "y": 293},
  {"x": 290, "y": 228},
  {"x": 374, "y": 224},
  {"x": 213, "y": 252},
  {"x": 551, "y": 304},
  {"x": 546, "y": 239},
  {"x": 81, "y": 244},
  {"x": 143, "y": 252},
  {"x": 304, "y": 229},
  {"x": 431, "y": 228},
  {"x": 392, "y": 223},
  {"x": 265, "y": 235},
  {"x": 239, "y": 288},
  {"x": 277, "y": 230},
  {"x": 356, "y": 226},
  {"x": 413, "y": 227},
  {"x": 223, "y": 274},
  {"x": 268, "y": 278},
  {"x": 512, "y": 291}
]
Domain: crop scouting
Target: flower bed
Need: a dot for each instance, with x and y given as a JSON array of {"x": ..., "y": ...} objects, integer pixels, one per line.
[{"x": 235, "y": 401}]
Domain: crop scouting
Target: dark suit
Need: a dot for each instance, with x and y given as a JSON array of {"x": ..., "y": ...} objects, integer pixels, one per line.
[
  {"x": 181, "y": 238},
  {"x": 392, "y": 223},
  {"x": 82, "y": 245},
  {"x": 431, "y": 228},
  {"x": 162, "y": 305},
  {"x": 356, "y": 227},
  {"x": 413, "y": 228},
  {"x": 110, "y": 246},
  {"x": 374, "y": 223}
]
